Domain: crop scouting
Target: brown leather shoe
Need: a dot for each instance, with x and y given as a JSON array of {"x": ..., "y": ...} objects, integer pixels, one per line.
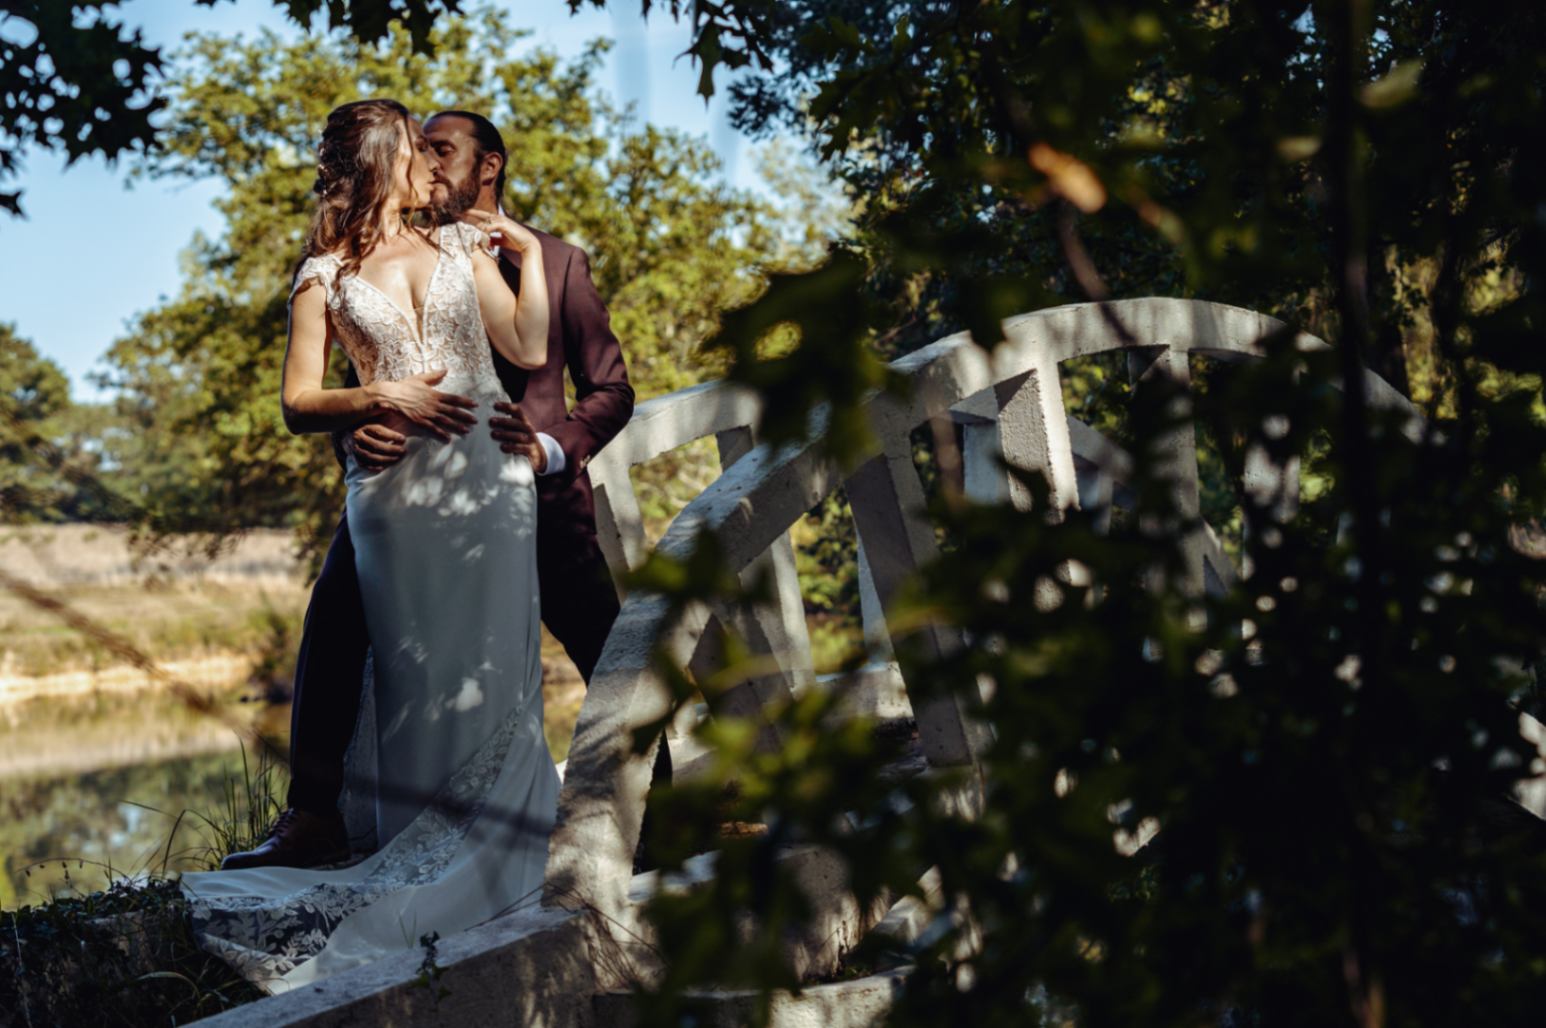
[{"x": 298, "y": 838}]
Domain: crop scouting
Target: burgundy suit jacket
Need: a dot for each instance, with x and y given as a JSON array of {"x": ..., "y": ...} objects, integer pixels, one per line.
[{"x": 579, "y": 338}]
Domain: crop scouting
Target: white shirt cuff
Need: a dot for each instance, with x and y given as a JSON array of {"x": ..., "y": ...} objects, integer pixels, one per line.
[{"x": 556, "y": 459}]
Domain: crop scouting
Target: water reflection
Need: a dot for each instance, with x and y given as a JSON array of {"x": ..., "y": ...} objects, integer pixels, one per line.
[
  {"x": 69, "y": 824},
  {"x": 98, "y": 781}
]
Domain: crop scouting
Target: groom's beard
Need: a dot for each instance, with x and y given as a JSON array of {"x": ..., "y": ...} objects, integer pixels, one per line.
[{"x": 460, "y": 196}]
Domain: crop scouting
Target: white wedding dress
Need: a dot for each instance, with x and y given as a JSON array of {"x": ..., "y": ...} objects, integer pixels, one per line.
[{"x": 449, "y": 756}]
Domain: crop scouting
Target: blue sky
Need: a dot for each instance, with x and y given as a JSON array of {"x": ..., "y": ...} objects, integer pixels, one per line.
[{"x": 92, "y": 253}]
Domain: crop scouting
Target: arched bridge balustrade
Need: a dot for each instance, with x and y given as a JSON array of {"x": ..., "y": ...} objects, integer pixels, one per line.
[{"x": 1008, "y": 402}]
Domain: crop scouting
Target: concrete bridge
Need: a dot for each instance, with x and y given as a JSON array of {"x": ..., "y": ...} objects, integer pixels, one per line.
[{"x": 570, "y": 956}]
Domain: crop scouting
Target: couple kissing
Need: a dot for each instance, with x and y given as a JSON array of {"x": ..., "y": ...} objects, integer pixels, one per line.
[{"x": 417, "y": 724}]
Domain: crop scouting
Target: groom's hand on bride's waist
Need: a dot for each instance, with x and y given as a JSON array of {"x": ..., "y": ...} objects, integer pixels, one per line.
[
  {"x": 381, "y": 443},
  {"x": 408, "y": 405},
  {"x": 515, "y": 434}
]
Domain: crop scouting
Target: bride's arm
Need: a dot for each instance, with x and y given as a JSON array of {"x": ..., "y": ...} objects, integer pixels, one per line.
[
  {"x": 309, "y": 406},
  {"x": 516, "y": 326}
]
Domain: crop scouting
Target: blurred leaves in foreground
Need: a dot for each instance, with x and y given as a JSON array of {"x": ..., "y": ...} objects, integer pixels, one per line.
[{"x": 1289, "y": 802}]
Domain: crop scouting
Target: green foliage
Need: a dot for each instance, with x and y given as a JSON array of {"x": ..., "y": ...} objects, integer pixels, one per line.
[
  {"x": 50, "y": 457},
  {"x": 248, "y": 805},
  {"x": 1329, "y": 789},
  {"x": 1287, "y": 803},
  {"x": 32, "y": 387},
  {"x": 826, "y": 556},
  {"x": 832, "y": 359},
  {"x": 80, "y": 82},
  {"x": 738, "y": 922},
  {"x": 371, "y": 21},
  {"x": 729, "y": 34}
]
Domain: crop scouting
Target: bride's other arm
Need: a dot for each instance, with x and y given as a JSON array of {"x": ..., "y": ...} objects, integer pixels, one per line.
[
  {"x": 517, "y": 327},
  {"x": 309, "y": 406}
]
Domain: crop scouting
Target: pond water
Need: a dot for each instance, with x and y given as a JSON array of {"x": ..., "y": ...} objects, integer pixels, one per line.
[
  {"x": 92, "y": 783},
  {"x": 92, "y": 787},
  {"x": 122, "y": 787}
]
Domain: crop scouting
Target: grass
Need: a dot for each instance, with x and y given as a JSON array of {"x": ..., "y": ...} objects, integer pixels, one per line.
[
  {"x": 126, "y": 955},
  {"x": 248, "y": 806}
]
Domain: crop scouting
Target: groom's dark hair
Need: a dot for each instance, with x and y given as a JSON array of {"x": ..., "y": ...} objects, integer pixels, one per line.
[{"x": 488, "y": 141}]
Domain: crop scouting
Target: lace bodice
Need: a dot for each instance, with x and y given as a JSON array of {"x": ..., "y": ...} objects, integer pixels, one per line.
[{"x": 385, "y": 343}]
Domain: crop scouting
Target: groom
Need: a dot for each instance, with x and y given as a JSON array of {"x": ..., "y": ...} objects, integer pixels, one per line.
[{"x": 579, "y": 603}]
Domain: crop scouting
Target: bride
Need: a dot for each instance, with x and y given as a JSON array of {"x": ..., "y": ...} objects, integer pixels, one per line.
[{"x": 445, "y": 543}]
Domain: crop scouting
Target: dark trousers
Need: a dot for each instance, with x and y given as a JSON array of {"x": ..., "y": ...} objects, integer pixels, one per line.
[{"x": 579, "y": 606}]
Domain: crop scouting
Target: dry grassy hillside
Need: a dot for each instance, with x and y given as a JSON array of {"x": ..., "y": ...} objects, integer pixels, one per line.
[
  {"x": 172, "y": 605},
  {"x": 54, "y": 556}
]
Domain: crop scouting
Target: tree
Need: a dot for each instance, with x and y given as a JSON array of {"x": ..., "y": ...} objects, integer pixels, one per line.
[
  {"x": 33, "y": 391},
  {"x": 49, "y": 457},
  {"x": 32, "y": 387}
]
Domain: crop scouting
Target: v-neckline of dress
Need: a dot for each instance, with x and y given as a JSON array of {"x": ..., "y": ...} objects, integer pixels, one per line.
[{"x": 417, "y": 327}]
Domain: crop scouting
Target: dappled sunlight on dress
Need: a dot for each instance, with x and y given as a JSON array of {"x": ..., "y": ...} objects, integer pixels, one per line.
[{"x": 445, "y": 548}]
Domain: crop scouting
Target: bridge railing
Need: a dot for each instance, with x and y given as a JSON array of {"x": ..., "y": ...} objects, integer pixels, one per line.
[{"x": 1009, "y": 404}]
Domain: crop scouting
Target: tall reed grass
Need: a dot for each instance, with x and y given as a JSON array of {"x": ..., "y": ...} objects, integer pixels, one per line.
[{"x": 126, "y": 955}]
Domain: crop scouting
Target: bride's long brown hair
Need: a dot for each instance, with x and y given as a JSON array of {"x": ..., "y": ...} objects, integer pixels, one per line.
[{"x": 355, "y": 163}]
